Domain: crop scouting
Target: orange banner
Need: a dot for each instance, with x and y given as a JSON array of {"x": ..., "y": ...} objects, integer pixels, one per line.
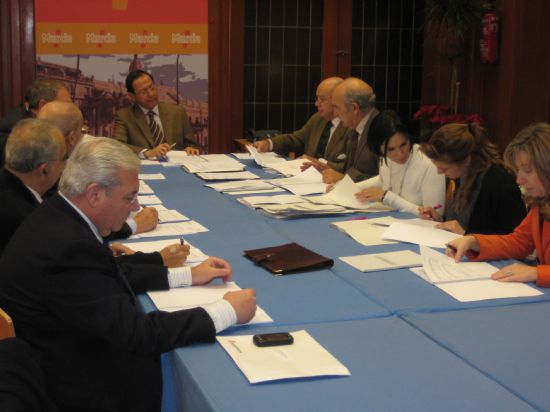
[{"x": 74, "y": 38}]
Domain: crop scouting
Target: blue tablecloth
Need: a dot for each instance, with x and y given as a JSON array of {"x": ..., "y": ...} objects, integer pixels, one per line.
[{"x": 408, "y": 345}]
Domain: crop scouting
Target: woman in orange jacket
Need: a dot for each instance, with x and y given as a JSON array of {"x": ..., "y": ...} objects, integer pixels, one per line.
[{"x": 529, "y": 155}]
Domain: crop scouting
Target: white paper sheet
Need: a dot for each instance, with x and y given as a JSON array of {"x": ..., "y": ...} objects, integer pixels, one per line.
[
  {"x": 383, "y": 261},
  {"x": 343, "y": 194},
  {"x": 289, "y": 168},
  {"x": 306, "y": 188},
  {"x": 149, "y": 200},
  {"x": 270, "y": 200},
  {"x": 310, "y": 175},
  {"x": 145, "y": 189},
  {"x": 242, "y": 156},
  {"x": 195, "y": 254},
  {"x": 228, "y": 176},
  {"x": 171, "y": 215},
  {"x": 304, "y": 358},
  {"x": 151, "y": 176},
  {"x": 190, "y": 297},
  {"x": 363, "y": 232},
  {"x": 440, "y": 268},
  {"x": 263, "y": 159},
  {"x": 173, "y": 229},
  {"x": 240, "y": 185},
  {"x": 419, "y": 234}
]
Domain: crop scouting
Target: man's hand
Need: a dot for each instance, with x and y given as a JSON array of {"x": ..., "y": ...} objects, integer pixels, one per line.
[
  {"x": 373, "y": 194},
  {"x": 244, "y": 303},
  {"x": 146, "y": 219},
  {"x": 174, "y": 256},
  {"x": 118, "y": 249},
  {"x": 516, "y": 272},
  {"x": 192, "y": 151},
  {"x": 212, "y": 268},
  {"x": 331, "y": 176},
  {"x": 262, "y": 145},
  {"x": 157, "y": 151}
]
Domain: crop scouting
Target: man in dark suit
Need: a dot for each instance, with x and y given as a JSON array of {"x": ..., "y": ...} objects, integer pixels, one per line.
[
  {"x": 322, "y": 137},
  {"x": 353, "y": 101},
  {"x": 35, "y": 156},
  {"x": 70, "y": 299},
  {"x": 68, "y": 118},
  {"x": 38, "y": 93},
  {"x": 149, "y": 127}
]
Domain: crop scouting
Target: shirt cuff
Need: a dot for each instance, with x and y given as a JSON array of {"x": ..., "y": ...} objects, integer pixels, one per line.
[
  {"x": 180, "y": 277},
  {"x": 141, "y": 154},
  {"x": 222, "y": 313},
  {"x": 270, "y": 145},
  {"x": 132, "y": 223}
]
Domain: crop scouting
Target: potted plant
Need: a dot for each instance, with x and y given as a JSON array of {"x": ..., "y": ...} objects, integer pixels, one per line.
[{"x": 452, "y": 21}]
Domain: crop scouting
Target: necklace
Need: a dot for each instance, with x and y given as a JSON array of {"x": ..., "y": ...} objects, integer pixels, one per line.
[{"x": 400, "y": 188}]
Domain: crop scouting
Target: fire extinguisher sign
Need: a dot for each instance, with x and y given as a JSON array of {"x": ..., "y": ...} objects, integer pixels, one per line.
[{"x": 488, "y": 44}]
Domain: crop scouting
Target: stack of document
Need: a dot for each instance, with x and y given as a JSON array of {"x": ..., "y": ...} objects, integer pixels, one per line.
[
  {"x": 467, "y": 281},
  {"x": 175, "y": 158},
  {"x": 363, "y": 231},
  {"x": 303, "y": 358},
  {"x": 151, "y": 176},
  {"x": 191, "y": 297},
  {"x": 228, "y": 176},
  {"x": 307, "y": 182},
  {"x": 420, "y": 232},
  {"x": 241, "y": 186},
  {"x": 145, "y": 189},
  {"x": 264, "y": 159},
  {"x": 289, "y": 168},
  {"x": 211, "y": 163},
  {"x": 257, "y": 201},
  {"x": 343, "y": 194},
  {"x": 301, "y": 209},
  {"x": 383, "y": 261}
]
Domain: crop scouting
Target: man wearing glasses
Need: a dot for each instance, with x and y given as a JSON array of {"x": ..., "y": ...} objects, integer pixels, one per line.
[
  {"x": 323, "y": 138},
  {"x": 149, "y": 127}
]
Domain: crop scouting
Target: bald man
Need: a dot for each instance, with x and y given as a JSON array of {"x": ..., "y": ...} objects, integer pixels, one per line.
[
  {"x": 322, "y": 137},
  {"x": 67, "y": 117},
  {"x": 354, "y": 102}
]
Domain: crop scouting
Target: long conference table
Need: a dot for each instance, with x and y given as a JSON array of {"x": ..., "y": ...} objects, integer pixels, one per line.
[{"x": 408, "y": 345}]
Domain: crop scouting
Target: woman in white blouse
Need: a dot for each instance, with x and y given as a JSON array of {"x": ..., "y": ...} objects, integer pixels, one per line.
[{"x": 407, "y": 179}]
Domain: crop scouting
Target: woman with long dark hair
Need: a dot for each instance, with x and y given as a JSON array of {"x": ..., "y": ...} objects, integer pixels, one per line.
[{"x": 482, "y": 197}]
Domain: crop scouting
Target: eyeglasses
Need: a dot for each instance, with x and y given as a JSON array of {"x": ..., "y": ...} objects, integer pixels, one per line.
[
  {"x": 145, "y": 91},
  {"x": 130, "y": 199}
]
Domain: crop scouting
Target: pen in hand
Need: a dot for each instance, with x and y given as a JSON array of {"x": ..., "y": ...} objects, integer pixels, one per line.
[{"x": 182, "y": 242}]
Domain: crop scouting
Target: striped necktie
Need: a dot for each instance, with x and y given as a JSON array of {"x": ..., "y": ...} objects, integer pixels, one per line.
[{"x": 158, "y": 136}]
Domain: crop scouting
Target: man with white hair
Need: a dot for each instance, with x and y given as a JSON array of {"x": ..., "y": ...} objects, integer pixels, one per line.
[
  {"x": 35, "y": 156},
  {"x": 70, "y": 300},
  {"x": 354, "y": 102}
]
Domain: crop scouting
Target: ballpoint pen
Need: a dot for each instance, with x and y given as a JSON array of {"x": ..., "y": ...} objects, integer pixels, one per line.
[{"x": 182, "y": 242}]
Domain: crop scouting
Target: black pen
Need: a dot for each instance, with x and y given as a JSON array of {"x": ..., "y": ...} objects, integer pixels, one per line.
[{"x": 182, "y": 242}]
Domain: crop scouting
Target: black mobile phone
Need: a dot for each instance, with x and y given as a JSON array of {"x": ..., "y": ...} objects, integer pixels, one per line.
[{"x": 273, "y": 339}]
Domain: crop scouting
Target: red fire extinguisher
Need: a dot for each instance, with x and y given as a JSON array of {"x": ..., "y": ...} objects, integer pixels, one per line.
[{"x": 488, "y": 44}]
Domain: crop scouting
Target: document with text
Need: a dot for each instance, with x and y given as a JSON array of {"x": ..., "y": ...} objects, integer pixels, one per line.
[
  {"x": 302, "y": 359},
  {"x": 383, "y": 261}
]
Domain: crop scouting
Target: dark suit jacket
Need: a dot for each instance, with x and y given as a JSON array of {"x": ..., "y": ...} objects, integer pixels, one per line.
[
  {"x": 6, "y": 125},
  {"x": 361, "y": 163},
  {"x": 306, "y": 140},
  {"x": 499, "y": 207},
  {"x": 67, "y": 298},
  {"x": 22, "y": 383},
  {"x": 16, "y": 203},
  {"x": 132, "y": 128}
]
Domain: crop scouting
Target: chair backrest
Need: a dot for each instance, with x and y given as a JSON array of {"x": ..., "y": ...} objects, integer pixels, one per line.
[{"x": 6, "y": 326}]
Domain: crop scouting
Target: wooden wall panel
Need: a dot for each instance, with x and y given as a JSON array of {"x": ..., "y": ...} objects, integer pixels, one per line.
[
  {"x": 225, "y": 73},
  {"x": 514, "y": 92},
  {"x": 17, "y": 52}
]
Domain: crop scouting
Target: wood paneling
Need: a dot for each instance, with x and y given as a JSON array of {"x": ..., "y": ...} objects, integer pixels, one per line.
[
  {"x": 512, "y": 93},
  {"x": 225, "y": 73},
  {"x": 337, "y": 38},
  {"x": 17, "y": 55}
]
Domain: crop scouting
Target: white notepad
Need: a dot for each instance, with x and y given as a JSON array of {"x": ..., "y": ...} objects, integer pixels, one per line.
[
  {"x": 384, "y": 261},
  {"x": 304, "y": 358}
]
